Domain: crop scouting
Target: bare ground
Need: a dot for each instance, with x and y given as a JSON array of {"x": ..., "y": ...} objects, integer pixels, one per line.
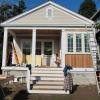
[{"x": 18, "y": 92}]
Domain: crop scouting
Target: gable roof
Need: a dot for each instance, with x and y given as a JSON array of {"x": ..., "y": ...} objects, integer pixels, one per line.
[{"x": 6, "y": 23}]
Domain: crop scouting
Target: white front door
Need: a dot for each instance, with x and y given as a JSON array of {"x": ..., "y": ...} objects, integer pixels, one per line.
[
  {"x": 46, "y": 49},
  {"x": 47, "y": 53}
]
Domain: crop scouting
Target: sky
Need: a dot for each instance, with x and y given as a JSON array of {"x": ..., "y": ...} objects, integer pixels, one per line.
[{"x": 70, "y": 4}]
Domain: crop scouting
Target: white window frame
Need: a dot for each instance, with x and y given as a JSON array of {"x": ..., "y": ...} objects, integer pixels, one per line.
[
  {"x": 84, "y": 41},
  {"x": 74, "y": 43},
  {"x": 77, "y": 45},
  {"x": 22, "y": 41},
  {"x": 49, "y": 8},
  {"x": 42, "y": 47},
  {"x": 67, "y": 41}
]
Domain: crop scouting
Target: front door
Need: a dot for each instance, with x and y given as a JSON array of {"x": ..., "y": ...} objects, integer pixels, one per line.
[
  {"x": 47, "y": 55},
  {"x": 44, "y": 52}
]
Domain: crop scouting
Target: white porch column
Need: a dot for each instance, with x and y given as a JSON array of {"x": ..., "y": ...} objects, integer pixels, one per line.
[
  {"x": 33, "y": 46},
  {"x": 63, "y": 47},
  {"x": 13, "y": 56},
  {"x": 5, "y": 40}
]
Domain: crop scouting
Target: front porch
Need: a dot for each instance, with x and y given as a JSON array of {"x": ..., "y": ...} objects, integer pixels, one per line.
[{"x": 37, "y": 47}]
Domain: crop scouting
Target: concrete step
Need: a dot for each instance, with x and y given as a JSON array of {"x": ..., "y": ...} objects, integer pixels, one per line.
[
  {"x": 52, "y": 75},
  {"x": 46, "y": 78},
  {"x": 48, "y": 91},
  {"x": 56, "y": 87},
  {"x": 47, "y": 69},
  {"x": 47, "y": 72},
  {"x": 49, "y": 82}
]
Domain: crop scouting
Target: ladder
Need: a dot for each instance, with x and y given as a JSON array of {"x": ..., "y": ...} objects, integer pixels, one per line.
[
  {"x": 94, "y": 52},
  {"x": 9, "y": 60},
  {"x": 98, "y": 80},
  {"x": 15, "y": 53}
]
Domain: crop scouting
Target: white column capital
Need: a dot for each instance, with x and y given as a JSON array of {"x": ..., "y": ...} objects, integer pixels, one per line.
[
  {"x": 63, "y": 30},
  {"x": 33, "y": 30}
]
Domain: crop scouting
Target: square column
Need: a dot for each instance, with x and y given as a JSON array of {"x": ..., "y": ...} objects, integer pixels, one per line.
[
  {"x": 33, "y": 46},
  {"x": 13, "y": 55},
  {"x": 63, "y": 47},
  {"x": 5, "y": 40}
]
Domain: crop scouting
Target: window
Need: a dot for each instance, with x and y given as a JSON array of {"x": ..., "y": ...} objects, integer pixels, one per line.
[
  {"x": 70, "y": 42},
  {"x": 78, "y": 43},
  {"x": 49, "y": 12},
  {"x": 47, "y": 48},
  {"x": 27, "y": 47},
  {"x": 86, "y": 42},
  {"x": 38, "y": 48}
]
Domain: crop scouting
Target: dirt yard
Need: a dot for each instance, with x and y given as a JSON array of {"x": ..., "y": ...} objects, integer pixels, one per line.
[{"x": 18, "y": 92}]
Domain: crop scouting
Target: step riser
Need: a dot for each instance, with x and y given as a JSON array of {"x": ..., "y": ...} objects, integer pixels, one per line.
[
  {"x": 43, "y": 78},
  {"x": 46, "y": 72},
  {"x": 48, "y": 69},
  {"x": 47, "y": 92},
  {"x": 48, "y": 87},
  {"x": 50, "y": 83},
  {"x": 50, "y": 80},
  {"x": 54, "y": 75}
]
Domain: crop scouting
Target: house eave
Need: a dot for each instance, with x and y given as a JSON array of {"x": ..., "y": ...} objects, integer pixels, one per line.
[{"x": 46, "y": 25}]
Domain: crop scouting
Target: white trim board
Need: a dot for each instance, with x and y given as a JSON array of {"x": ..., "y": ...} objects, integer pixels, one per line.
[
  {"x": 14, "y": 68},
  {"x": 45, "y": 4},
  {"x": 46, "y": 28},
  {"x": 47, "y": 25}
]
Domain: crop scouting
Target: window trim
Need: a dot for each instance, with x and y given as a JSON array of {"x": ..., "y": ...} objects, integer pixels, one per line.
[
  {"x": 22, "y": 41},
  {"x": 67, "y": 41},
  {"x": 77, "y": 43},
  {"x": 42, "y": 45},
  {"x": 42, "y": 42},
  {"x": 85, "y": 47},
  {"x": 49, "y": 8},
  {"x": 74, "y": 42},
  {"x": 36, "y": 47}
]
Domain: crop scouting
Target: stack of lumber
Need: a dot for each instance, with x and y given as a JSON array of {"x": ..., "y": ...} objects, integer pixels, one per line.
[{"x": 5, "y": 79}]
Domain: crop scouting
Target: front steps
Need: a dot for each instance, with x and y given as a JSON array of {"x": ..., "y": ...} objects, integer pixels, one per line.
[{"x": 47, "y": 80}]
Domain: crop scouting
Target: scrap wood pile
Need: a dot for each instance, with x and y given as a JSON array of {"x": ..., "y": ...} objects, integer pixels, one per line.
[{"x": 6, "y": 79}]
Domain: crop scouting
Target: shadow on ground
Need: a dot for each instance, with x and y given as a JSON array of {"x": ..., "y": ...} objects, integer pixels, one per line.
[
  {"x": 74, "y": 88},
  {"x": 4, "y": 91},
  {"x": 21, "y": 95}
]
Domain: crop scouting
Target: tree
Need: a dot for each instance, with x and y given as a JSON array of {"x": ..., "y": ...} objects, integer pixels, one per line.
[
  {"x": 20, "y": 8},
  {"x": 87, "y": 8},
  {"x": 8, "y": 10},
  {"x": 5, "y": 13}
]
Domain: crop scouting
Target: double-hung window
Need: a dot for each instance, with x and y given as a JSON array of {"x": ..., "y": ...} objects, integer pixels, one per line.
[
  {"x": 70, "y": 42},
  {"x": 27, "y": 47},
  {"x": 47, "y": 48},
  {"x": 78, "y": 43},
  {"x": 86, "y": 42},
  {"x": 38, "y": 48}
]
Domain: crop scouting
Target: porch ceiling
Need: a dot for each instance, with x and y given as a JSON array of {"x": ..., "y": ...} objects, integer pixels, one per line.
[{"x": 40, "y": 33}]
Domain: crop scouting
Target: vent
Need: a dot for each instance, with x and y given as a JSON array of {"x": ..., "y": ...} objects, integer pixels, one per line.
[{"x": 49, "y": 12}]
